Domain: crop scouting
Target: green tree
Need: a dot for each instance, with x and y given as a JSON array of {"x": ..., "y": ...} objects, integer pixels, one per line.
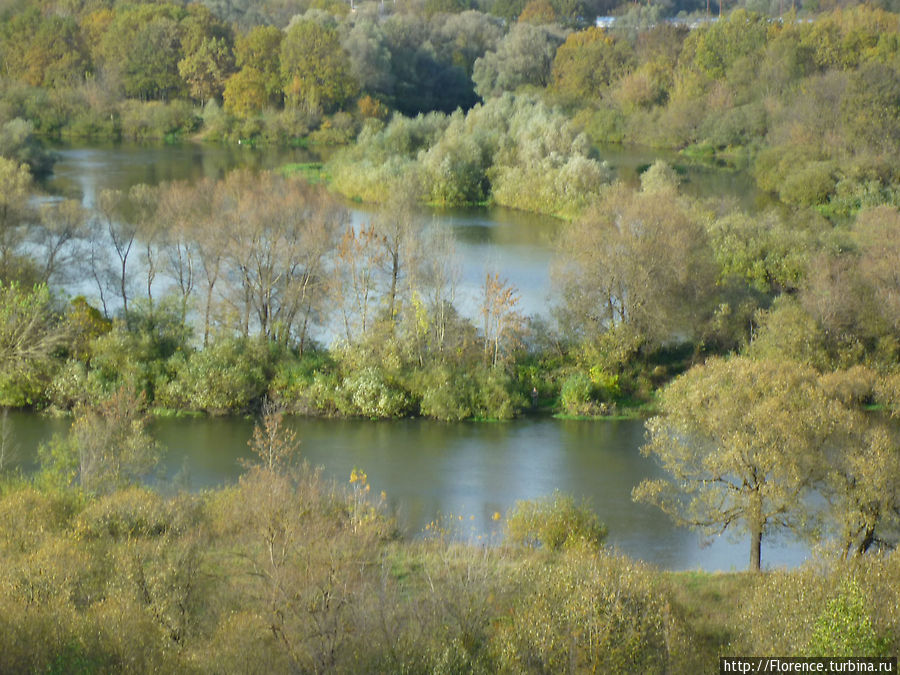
[
  {"x": 206, "y": 68},
  {"x": 315, "y": 69},
  {"x": 714, "y": 48},
  {"x": 523, "y": 57},
  {"x": 31, "y": 331},
  {"x": 260, "y": 49},
  {"x": 743, "y": 441},
  {"x": 142, "y": 45},
  {"x": 245, "y": 93},
  {"x": 588, "y": 62}
]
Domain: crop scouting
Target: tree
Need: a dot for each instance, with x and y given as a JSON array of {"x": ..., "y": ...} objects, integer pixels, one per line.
[
  {"x": 245, "y": 92},
  {"x": 523, "y": 57},
  {"x": 315, "y": 69},
  {"x": 182, "y": 209},
  {"x": 15, "y": 187},
  {"x": 743, "y": 441},
  {"x": 31, "y": 331},
  {"x": 43, "y": 50},
  {"x": 639, "y": 262},
  {"x": 355, "y": 282},
  {"x": 502, "y": 322},
  {"x": 870, "y": 107},
  {"x": 279, "y": 232},
  {"x": 206, "y": 68},
  {"x": 107, "y": 447},
  {"x": 276, "y": 446},
  {"x": 538, "y": 12},
  {"x": 62, "y": 225},
  {"x": 877, "y": 232},
  {"x": 142, "y": 45},
  {"x": 114, "y": 216},
  {"x": 260, "y": 49},
  {"x": 433, "y": 316},
  {"x": 369, "y": 56},
  {"x": 863, "y": 490},
  {"x": 714, "y": 48},
  {"x": 588, "y": 62},
  {"x": 397, "y": 225}
]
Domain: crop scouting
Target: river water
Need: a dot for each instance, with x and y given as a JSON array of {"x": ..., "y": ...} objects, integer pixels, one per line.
[
  {"x": 459, "y": 473},
  {"x": 429, "y": 470}
]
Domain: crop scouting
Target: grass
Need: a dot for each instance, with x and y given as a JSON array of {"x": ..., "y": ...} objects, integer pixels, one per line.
[
  {"x": 176, "y": 413},
  {"x": 313, "y": 172},
  {"x": 710, "y": 604}
]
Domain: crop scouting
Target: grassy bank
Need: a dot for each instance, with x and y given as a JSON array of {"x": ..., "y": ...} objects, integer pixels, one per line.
[{"x": 285, "y": 571}]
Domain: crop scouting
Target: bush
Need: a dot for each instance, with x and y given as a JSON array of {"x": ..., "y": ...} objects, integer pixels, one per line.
[
  {"x": 229, "y": 376},
  {"x": 578, "y": 612},
  {"x": 554, "y": 523},
  {"x": 299, "y": 385},
  {"x": 157, "y": 120},
  {"x": 828, "y": 607},
  {"x": 844, "y": 628},
  {"x": 122, "y": 357},
  {"x": 369, "y": 392},
  {"x": 339, "y": 129},
  {"x": 124, "y": 514},
  {"x": 446, "y": 394},
  {"x": 495, "y": 395},
  {"x": 576, "y": 394}
]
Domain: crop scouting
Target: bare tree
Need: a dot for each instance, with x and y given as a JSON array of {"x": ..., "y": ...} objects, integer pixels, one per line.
[
  {"x": 182, "y": 208},
  {"x": 61, "y": 226},
  {"x": 279, "y": 236},
  {"x": 359, "y": 255},
  {"x": 112, "y": 213}
]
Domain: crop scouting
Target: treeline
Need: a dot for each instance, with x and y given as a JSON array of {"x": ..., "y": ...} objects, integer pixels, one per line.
[
  {"x": 285, "y": 571},
  {"x": 809, "y": 103},
  {"x": 810, "y": 106},
  {"x": 166, "y": 70},
  {"x": 217, "y": 295}
]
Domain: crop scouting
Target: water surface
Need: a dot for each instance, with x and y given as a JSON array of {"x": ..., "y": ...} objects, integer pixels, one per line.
[{"x": 465, "y": 471}]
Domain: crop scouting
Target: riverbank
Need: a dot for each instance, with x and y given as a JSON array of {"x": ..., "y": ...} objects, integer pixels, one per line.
[{"x": 283, "y": 570}]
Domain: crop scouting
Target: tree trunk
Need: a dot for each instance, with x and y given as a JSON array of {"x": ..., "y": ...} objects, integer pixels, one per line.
[{"x": 755, "y": 547}]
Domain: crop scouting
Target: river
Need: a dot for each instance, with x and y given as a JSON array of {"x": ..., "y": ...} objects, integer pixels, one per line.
[{"x": 429, "y": 469}]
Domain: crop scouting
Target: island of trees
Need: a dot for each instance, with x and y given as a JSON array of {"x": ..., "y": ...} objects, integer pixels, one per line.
[{"x": 765, "y": 344}]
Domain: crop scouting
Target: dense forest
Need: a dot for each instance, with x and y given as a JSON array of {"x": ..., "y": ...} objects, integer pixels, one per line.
[{"x": 765, "y": 343}]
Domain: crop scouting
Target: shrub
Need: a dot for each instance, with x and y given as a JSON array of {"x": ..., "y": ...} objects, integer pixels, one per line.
[
  {"x": 554, "y": 523},
  {"x": 495, "y": 395},
  {"x": 298, "y": 385},
  {"x": 844, "y": 628},
  {"x": 446, "y": 394},
  {"x": 228, "y": 376},
  {"x": 576, "y": 394},
  {"x": 157, "y": 120},
  {"x": 371, "y": 393},
  {"x": 579, "y": 612},
  {"x": 124, "y": 514}
]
